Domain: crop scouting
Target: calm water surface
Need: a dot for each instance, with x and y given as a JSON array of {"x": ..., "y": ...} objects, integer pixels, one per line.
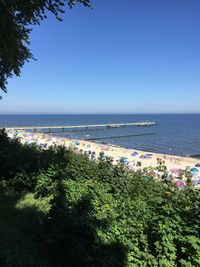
[{"x": 172, "y": 134}]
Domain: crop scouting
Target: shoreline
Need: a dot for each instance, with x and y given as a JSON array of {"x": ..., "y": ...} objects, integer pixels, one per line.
[{"x": 146, "y": 158}]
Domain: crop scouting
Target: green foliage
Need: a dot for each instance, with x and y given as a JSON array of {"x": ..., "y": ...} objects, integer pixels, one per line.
[
  {"x": 16, "y": 20},
  {"x": 94, "y": 213},
  {"x": 20, "y": 229},
  {"x": 46, "y": 182}
]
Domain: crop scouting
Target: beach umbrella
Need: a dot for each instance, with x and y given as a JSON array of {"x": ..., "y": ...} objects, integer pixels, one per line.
[
  {"x": 124, "y": 160},
  {"x": 194, "y": 170},
  {"x": 134, "y": 154},
  {"x": 103, "y": 157},
  {"x": 197, "y": 165},
  {"x": 180, "y": 183}
]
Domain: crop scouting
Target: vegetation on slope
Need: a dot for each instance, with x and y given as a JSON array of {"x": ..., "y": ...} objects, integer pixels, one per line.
[{"x": 58, "y": 208}]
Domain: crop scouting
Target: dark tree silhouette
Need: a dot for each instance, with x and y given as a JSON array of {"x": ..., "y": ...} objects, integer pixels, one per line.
[{"x": 16, "y": 20}]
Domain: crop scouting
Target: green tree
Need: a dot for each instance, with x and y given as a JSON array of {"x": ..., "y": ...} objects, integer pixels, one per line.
[{"x": 16, "y": 20}]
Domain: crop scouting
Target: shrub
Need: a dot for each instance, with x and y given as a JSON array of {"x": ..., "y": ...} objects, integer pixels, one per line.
[{"x": 100, "y": 214}]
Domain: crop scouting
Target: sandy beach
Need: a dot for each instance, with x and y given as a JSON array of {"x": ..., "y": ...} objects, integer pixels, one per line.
[{"x": 132, "y": 156}]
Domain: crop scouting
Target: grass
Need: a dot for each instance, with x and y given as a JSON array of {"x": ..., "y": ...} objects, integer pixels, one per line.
[{"x": 20, "y": 226}]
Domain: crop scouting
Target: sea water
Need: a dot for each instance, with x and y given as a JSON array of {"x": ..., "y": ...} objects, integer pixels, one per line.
[{"x": 177, "y": 134}]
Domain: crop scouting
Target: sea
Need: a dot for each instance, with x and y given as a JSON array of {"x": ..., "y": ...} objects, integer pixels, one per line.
[{"x": 177, "y": 134}]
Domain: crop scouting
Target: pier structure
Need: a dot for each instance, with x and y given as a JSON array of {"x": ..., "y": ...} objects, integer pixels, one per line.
[{"x": 62, "y": 128}]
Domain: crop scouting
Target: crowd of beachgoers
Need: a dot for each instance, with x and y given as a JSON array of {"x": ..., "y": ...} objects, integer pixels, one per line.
[{"x": 180, "y": 170}]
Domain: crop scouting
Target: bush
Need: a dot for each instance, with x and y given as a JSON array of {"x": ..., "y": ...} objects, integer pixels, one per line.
[{"x": 101, "y": 214}]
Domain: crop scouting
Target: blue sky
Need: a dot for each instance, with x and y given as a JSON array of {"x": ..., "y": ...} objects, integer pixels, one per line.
[{"x": 132, "y": 56}]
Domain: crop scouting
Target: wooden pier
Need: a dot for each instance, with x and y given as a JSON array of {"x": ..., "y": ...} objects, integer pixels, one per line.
[{"x": 86, "y": 126}]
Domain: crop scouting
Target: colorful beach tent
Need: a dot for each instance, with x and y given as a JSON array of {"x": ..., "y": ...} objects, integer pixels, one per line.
[{"x": 197, "y": 165}]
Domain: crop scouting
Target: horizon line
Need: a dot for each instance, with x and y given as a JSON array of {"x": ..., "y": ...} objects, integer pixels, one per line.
[{"x": 153, "y": 113}]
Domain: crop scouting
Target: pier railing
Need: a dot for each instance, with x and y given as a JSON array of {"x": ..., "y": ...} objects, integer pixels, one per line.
[{"x": 85, "y": 126}]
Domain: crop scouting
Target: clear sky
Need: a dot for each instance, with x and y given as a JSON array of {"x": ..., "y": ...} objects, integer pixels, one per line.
[{"x": 124, "y": 56}]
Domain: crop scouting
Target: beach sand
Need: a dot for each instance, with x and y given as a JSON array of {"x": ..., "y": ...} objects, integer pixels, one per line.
[{"x": 115, "y": 152}]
